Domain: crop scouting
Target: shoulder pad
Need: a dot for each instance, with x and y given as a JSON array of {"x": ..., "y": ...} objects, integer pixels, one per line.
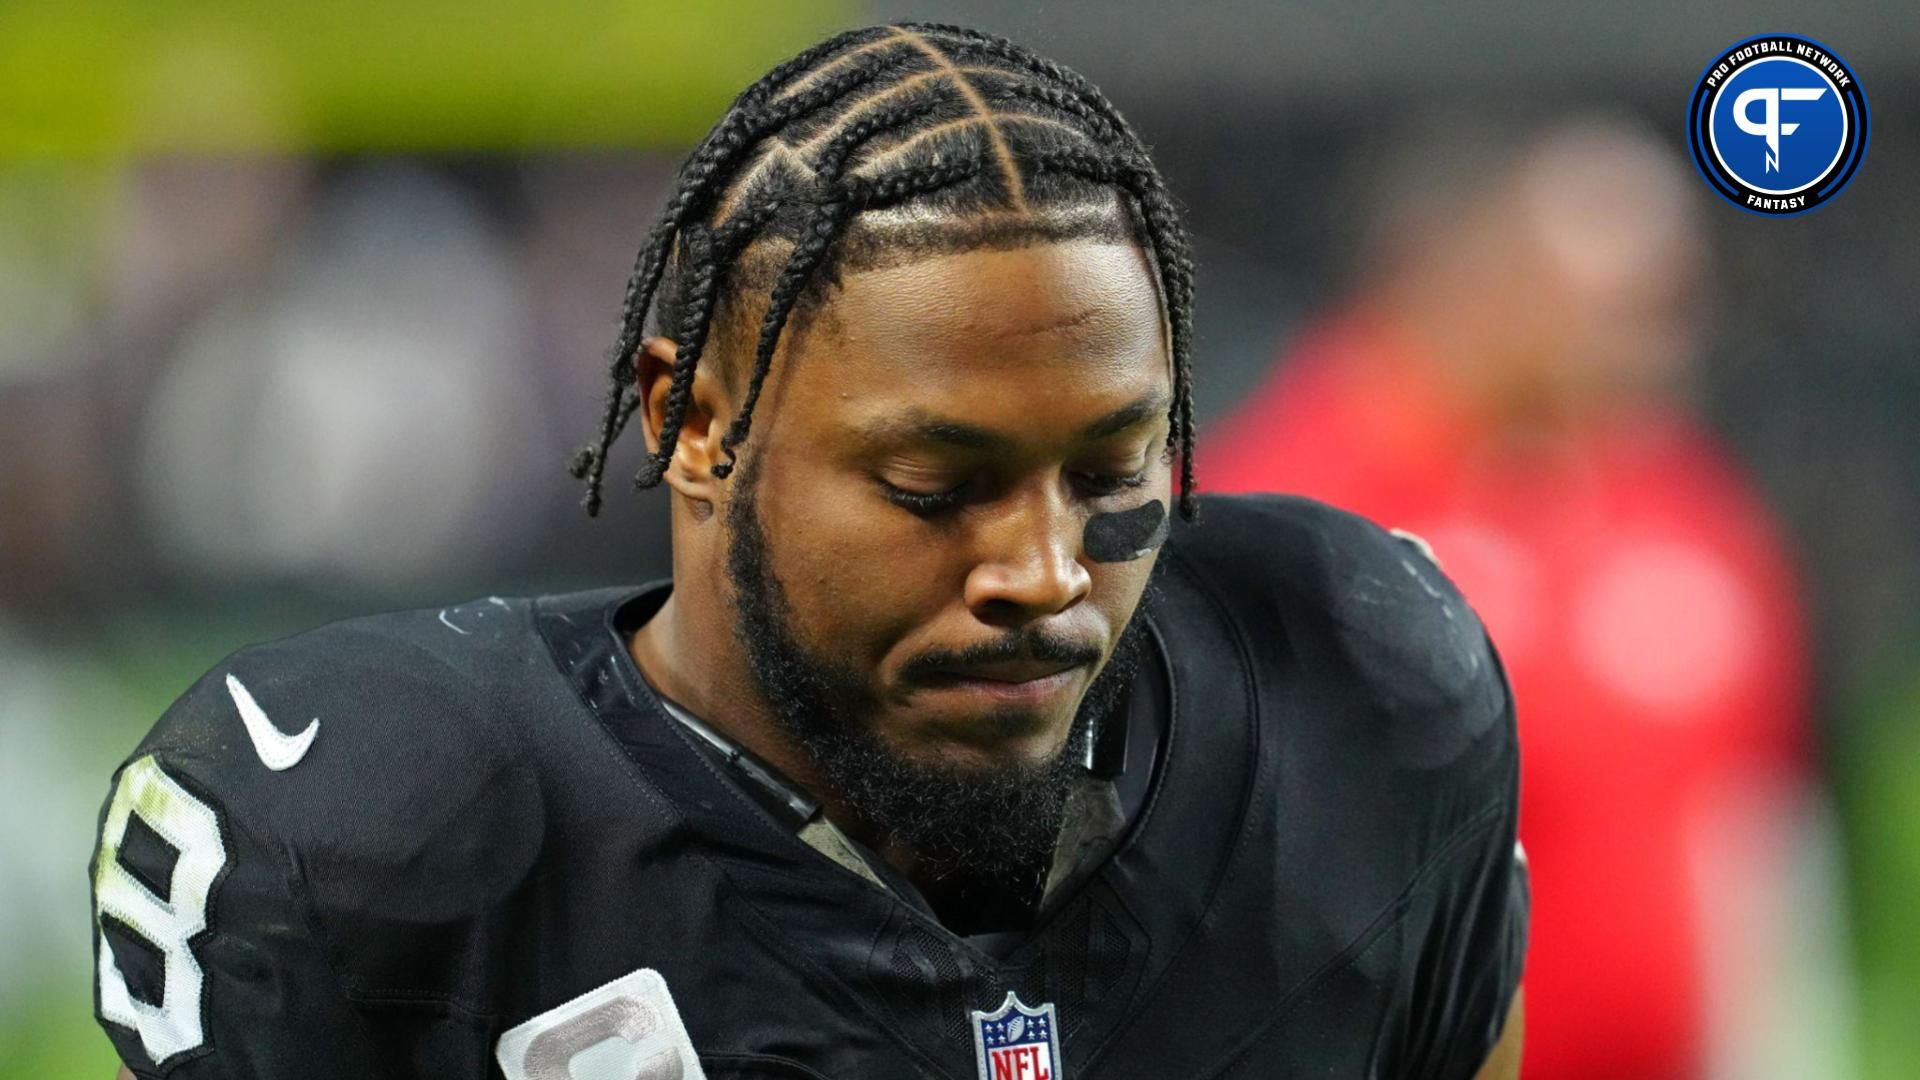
[
  {"x": 1357, "y": 603},
  {"x": 372, "y": 751}
]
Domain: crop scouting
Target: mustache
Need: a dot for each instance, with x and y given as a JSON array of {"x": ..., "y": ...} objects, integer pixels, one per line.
[{"x": 1028, "y": 644}]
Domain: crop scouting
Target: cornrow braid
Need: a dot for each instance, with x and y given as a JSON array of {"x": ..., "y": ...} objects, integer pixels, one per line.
[
  {"x": 715, "y": 154},
  {"x": 992, "y": 142},
  {"x": 809, "y": 254}
]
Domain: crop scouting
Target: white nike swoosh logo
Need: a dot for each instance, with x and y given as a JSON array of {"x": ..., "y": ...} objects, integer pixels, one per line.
[{"x": 278, "y": 751}]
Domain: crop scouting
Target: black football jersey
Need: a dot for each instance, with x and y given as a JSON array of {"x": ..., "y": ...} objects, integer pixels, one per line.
[{"x": 471, "y": 842}]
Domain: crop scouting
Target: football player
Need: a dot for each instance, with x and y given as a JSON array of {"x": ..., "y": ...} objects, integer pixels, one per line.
[{"x": 965, "y": 741}]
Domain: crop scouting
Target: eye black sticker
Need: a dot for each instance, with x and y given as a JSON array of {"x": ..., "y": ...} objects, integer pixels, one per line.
[{"x": 1127, "y": 534}]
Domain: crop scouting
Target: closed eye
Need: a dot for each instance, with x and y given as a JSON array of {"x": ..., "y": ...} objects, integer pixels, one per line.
[
  {"x": 923, "y": 503},
  {"x": 1099, "y": 485},
  {"x": 932, "y": 503}
]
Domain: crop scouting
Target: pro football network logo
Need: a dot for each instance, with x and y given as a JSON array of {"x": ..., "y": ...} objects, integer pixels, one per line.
[
  {"x": 1014, "y": 1042},
  {"x": 1778, "y": 124}
]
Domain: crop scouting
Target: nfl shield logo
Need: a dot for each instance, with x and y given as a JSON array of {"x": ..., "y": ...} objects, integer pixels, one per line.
[{"x": 1014, "y": 1042}]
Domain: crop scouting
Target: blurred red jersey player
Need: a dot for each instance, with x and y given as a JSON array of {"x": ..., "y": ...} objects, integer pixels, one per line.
[{"x": 1501, "y": 381}]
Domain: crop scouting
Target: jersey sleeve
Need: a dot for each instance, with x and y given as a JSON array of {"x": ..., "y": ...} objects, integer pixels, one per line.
[
  {"x": 1471, "y": 911},
  {"x": 1414, "y": 750},
  {"x": 206, "y": 960}
]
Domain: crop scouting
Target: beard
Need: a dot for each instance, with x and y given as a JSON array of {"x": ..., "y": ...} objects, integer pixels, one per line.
[{"x": 993, "y": 825}]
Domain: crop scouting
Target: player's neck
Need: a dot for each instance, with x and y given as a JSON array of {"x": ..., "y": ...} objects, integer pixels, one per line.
[
  {"x": 691, "y": 656},
  {"x": 696, "y": 662}
]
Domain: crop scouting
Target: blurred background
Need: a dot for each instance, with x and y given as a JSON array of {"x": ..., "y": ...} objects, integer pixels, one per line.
[{"x": 303, "y": 306}]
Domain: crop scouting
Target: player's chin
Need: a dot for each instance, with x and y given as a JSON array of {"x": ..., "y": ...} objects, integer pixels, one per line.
[{"x": 964, "y": 722}]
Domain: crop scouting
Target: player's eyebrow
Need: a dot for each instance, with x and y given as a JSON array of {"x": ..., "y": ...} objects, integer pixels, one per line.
[
  {"x": 1139, "y": 411},
  {"x": 923, "y": 425}
]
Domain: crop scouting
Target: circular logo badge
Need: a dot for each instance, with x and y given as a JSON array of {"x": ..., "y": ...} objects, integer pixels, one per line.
[{"x": 1778, "y": 124}]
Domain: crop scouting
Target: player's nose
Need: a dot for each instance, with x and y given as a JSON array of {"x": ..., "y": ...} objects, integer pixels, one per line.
[{"x": 1028, "y": 562}]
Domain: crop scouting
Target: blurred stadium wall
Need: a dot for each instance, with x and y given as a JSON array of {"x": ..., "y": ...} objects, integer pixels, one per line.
[{"x": 304, "y": 305}]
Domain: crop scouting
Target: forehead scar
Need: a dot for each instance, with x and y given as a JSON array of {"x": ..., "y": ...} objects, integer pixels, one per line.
[{"x": 1126, "y": 534}]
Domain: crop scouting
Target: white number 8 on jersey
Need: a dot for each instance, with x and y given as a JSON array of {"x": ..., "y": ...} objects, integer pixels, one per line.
[{"x": 173, "y": 1025}]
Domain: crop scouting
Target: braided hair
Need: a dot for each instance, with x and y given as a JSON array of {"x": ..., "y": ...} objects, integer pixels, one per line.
[{"x": 878, "y": 145}]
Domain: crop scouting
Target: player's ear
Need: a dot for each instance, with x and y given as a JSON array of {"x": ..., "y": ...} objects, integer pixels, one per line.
[{"x": 697, "y": 447}]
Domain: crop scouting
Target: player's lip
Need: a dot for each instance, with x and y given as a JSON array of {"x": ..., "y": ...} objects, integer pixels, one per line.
[
  {"x": 1005, "y": 671},
  {"x": 1012, "y": 681}
]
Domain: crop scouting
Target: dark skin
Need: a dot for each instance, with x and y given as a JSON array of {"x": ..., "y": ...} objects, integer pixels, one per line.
[{"x": 1032, "y": 384}]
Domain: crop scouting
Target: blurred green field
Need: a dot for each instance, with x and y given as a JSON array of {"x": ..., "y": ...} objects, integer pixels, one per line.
[
  {"x": 106, "y": 687},
  {"x": 1876, "y": 765},
  {"x": 114, "y": 78}
]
